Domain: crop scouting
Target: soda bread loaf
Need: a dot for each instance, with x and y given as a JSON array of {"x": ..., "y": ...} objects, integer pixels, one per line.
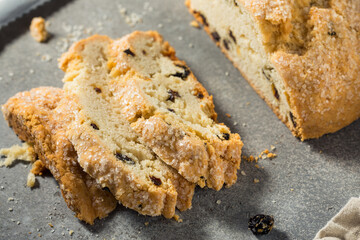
[
  {"x": 108, "y": 149},
  {"x": 148, "y": 87},
  {"x": 31, "y": 116},
  {"x": 301, "y": 56}
]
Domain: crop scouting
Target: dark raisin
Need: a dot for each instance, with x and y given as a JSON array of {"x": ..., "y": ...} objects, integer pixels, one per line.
[
  {"x": 292, "y": 118},
  {"x": 140, "y": 206},
  {"x": 200, "y": 95},
  {"x": 203, "y": 18},
  {"x": 106, "y": 189},
  {"x": 144, "y": 52},
  {"x": 332, "y": 33},
  {"x": 182, "y": 75},
  {"x": 171, "y": 110},
  {"x": 232, "y": 36},
  {"x": 124, "y": 158},
  {"x": 98, "y": 90},
  {"x": 226, "y": 44},
  {"x": 215, "y": 36},
  {"x": 3, "y": 156},
  {"x": 275, "y": 92},
  {"x": 129, "y": 52},
  {"x": 261, "y": 224},
  {"x": 235, "y": 3},
  {"x": 172, "y": 95},
  {"x": 155, "y": 180},
  {"x": 22, "y": 141},
  {"x": 226, "y": 136},
  {"x": 266, "y": 71},
  {"x": 94, "y": 126}
]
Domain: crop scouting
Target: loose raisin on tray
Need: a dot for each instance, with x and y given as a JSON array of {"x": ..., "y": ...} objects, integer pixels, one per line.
[
  {"x": 215, "y": 36},
  {"x": 232, "y": 36},
  {"x": 124, "y": 158},
  {"x": 94, "y": 126},
  {"x": 97, "y": 90},
  {"x": 182, "y": 75},
  {"x": 226, "y": 44},
  {"x": 292, "y": 118},
  {"x": 261, "y": 224},
  {"x": 172, "y": 95},
  {"x": 129, "y": 52},
  {"x": 155, "y": 180}
]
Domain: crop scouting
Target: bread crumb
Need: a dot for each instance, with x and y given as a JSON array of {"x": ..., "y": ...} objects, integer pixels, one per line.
[
  {"x": 38, "y": 29},
  {"x": 10, "y": 209},
  {"x": 272, "y": 147},
  {"x": 146, "y": 223},
  {"x": 257, "y": 166},
  {"x": 291, "y": 189},
  {"x": 30, "y": 180},
  {"x": 50, "y": 224},
  {"x": 228, "y": 115},
  {"x": 271, "y": 155},
  {"x": 71, "y": 232},
  {"x": 256, "y": 180},
  {"x": 195, "y": 24},
  {"x": 226, "y": 73},
  {"x": 218, "y": 202},
  {"x": 10, "y": 199},
  {"x": 243, "y": 173},
  {"x": 38, "y": 168},
  {"x": 18, "y": 222},
  {"x": 24, "y": 153},
  {"x": 177, "y": 218}
]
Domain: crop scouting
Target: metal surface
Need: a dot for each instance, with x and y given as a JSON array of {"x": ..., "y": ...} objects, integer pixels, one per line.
[{"x": 302, "y": 188}]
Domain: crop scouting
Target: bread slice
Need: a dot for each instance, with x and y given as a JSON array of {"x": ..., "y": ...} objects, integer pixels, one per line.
[
  {"x": 150, "y": 88},
  {"x": 31, "y": 116},
  {"x": 302, "y": 57},
  {"x": 109, "y": 150}
]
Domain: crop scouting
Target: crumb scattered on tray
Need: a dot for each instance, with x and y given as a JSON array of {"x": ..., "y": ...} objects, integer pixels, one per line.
[
  {"x": 256, "y": 180},
  {"x": 38, "y": 29},
  {"x": 31, "y": 180},
  {"x": 24, "y": 153},
  {"x": 177, "y": 218},
  {"x": 146, "y": 224},
  {"x": 71, "y": 232},
  {"x": 228, "y": 115},
  {"x": 195, "y": 24}
]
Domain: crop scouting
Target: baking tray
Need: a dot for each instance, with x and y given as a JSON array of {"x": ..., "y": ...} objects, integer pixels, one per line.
[{"x": 303, "y": 187}]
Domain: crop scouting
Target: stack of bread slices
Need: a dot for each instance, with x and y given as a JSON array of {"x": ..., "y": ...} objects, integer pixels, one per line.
[{"x": 131, "y": 124}]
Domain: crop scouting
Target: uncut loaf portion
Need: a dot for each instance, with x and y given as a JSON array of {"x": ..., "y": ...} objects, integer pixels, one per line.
[
  {"x": 108, "y": 149},
  {"x": 159, "y": 96},
  {"x": 31, "y": 116},
  {"x": 302, "y": 57}
]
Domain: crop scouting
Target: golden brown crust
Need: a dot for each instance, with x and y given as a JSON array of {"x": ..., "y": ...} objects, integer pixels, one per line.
[
  {"x": 315, "y": 48},
  {"x": 30, "y": 114}
]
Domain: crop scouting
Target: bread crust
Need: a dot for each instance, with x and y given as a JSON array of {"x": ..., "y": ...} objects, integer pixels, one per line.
[
  {"x": 30, "y": 115},
  {"x": 323, "y": 96}
]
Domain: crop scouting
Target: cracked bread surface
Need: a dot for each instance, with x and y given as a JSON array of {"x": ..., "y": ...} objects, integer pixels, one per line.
[
  {"x": 30, "y": 114},
  {"x": 165, "y": 104},
  {"x": 108, "y": 149},
  {"x": 301, "y": 56}
]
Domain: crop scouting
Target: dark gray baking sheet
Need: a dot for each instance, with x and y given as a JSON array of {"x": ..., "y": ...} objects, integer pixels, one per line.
[{"x": 322, "y": 173}]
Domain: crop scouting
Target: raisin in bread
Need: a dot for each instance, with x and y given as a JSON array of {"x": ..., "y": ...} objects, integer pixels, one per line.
[
  {"x": 162, "y": 100},
  {"x": 31, "y": 116},
  {"x": 108, "y": 149},
  {"x": 302, "y": 57}
]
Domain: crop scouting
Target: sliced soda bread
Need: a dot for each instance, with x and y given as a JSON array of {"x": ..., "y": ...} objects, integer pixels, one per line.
[
  {"x": 301, "y": 56},
  {"x": 109, "y": 150},
  {"x": 31, "y": 116},
  {"x": 158, "y": 95}
]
